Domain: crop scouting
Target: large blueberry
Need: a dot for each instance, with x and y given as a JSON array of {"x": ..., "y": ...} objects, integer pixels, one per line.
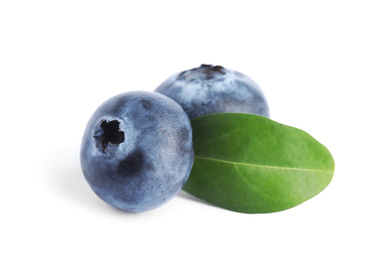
[
  {"x": 136, "y": 151},
  {"x": 213, "y": 89}
]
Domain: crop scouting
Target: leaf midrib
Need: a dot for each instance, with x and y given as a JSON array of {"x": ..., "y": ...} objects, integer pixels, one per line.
[{"x": 262, "y": 166}]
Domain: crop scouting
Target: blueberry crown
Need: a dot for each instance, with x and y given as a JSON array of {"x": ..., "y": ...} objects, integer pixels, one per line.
[{"x": 204, "y": 72}]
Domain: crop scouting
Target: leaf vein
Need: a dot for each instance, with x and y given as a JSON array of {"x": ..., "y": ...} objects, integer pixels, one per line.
[{"x": 262, "y": 166}]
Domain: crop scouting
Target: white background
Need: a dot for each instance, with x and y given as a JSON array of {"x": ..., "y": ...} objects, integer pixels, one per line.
[{"x": 324, "y": 66}]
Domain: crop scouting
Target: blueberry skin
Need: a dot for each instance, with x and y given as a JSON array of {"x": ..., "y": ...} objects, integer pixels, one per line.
[
  {"x": 213, "y": 89},
  {"x": 137, "y": 150}
]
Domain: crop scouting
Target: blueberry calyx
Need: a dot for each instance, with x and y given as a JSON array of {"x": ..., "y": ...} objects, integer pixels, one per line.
[
  {"x": 209, "y": 69},
  {"x": 205, "y": 71},
  {"x": 108, "y": 132}
]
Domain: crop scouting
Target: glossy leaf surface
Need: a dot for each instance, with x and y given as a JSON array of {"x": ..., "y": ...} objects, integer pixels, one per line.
[{"x": 249, "y": 163}]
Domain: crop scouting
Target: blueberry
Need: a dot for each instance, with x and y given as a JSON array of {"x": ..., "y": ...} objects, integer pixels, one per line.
[
  {"x": 213, "y": 89},
  {"x": 136, "y": 152}
]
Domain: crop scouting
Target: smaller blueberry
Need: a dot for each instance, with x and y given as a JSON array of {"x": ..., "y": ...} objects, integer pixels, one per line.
[{"x": 214, "y": 89}]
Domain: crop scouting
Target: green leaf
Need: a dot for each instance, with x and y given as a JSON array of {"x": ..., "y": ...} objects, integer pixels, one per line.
[{"x": 249, "y": 163}]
